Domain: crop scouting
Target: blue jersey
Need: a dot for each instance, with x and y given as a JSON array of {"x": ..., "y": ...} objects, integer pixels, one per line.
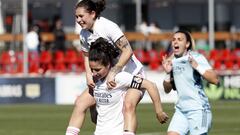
[{"x": 188, "y": 82}]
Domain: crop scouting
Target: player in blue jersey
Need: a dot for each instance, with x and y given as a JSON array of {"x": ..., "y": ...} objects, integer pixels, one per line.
[{"x": 185, "y": 70}]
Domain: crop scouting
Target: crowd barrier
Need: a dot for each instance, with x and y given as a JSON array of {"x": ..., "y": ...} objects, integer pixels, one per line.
[
  {"x": 132, "y": 36},
  {"x": 27, "y": 90},
  {"x": 64, "y": 89}
]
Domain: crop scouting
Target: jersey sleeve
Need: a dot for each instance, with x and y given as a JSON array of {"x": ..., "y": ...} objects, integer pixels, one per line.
[
  {"x": 114, "y": 32},
  {"x": 123, "y": 79},
  {"x": 127, "y": 80},
  {"x": 202, "y": 61},
  {"x": 84, "y": 44}
]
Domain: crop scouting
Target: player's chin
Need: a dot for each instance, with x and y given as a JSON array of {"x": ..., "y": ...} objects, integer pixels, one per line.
[{"x": 82, "y": 26}]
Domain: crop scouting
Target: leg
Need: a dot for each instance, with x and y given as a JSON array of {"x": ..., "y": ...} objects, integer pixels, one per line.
[
  {"x": 93, "y": 113},
  {"x": 172, "y": 133},
  {"x": 132, "y": 98},
  {"x": 178, "y": 125},
  {"x": 82, "y": 103},
  {"x": 199, "y": 122}
]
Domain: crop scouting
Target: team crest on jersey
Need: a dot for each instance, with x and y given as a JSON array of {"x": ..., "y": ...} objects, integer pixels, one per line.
[{"x": 136, "y": 82}]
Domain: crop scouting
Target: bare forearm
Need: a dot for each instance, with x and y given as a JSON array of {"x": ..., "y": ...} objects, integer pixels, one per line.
[
  {"x": 124, "y": 58},
  {"x": 86, "y": 65},
  {"x": 211, "y": 76},
  {"x": 156, "y": 100},
  {"x": 154, "y": 94}
]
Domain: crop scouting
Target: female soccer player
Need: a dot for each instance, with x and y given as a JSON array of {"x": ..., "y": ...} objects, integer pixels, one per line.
[
  {"x": 109, "y": 103},
  {"x": 184, "y": 74},
  {"x": 87, "y": 13}
]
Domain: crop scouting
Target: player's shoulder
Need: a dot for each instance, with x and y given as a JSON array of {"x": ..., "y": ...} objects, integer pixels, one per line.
[
  {"x": 105, "y": 20},
  {"x": 102, "y": 22},
  {"x": 123, "y": 76},
  {"x": 196, "y": 54}
]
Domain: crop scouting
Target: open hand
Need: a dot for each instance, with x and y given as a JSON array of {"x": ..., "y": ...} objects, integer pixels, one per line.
[
  {"x": 167, "y": 64},
  {"x": 192, "y": 61},
  {"x": 162, "y": 117},
  {"x": 90, "y": 82},
  {"x": 111, "y": 81}
]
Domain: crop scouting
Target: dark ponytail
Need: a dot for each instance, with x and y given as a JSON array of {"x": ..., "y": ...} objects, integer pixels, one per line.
[
  {"x": 92, "y": 5},
  {"x": 103, "y": 51}
]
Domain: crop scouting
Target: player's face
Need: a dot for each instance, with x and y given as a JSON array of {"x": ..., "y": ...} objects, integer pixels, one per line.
[
  {"x": 179, "y": 44},
  {"x": 99, "y": 71},
  {"x": 84, "y": 18}
]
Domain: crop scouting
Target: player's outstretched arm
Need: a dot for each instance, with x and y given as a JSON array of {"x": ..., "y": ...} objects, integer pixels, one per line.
[
  {"x": 155, "y": 96},
  {"x": 89, "y": 77}
]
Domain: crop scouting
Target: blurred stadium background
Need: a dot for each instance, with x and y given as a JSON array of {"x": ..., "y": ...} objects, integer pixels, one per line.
[{"x": 37, "y": 90}]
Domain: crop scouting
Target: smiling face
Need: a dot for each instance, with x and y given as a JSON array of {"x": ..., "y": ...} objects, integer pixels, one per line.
[
  {"x": 85, "y": 18},
  {"x": 179, "y": 44},
  {"x": 99, "y": 70}
]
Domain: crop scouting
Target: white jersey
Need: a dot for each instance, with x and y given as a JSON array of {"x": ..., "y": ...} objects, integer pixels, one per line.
[
  {"x": 110, "y": 31},
  {"x": 188, "y": 82},
  {"x": 109, "y": 104}
]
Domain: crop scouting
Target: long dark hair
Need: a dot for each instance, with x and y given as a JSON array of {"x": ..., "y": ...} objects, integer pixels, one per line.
[
  {"x": 189, "y": 39},
  {"x": 103, "y": 51},
  {"x": 92, "y": 5}
]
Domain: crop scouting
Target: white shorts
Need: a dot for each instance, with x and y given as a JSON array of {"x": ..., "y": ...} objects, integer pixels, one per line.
[{"x": 196, "y": 122}]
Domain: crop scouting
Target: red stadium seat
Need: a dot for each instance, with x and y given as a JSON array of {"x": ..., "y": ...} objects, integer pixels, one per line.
[
  {"x": 229, "y": 64},
  {"x": 141, "y": 56},
  {"x": 33, "y": 56},
  {"x": 225, "y": 54},
  {"x": 19, "y": 61},
  {"x": 59, "y": 61},
  {"x": 80, "y": 61},
  {"x": 238, "y": 64},
  {"x": 214, "y": 55},
  {"x": 217, "y": 64},
  {"x": 33, "y": 59},
  {"x": 8, "y": 60},
  {"x": 71, "y": 59},
  {"x": 154, "y": 59},
  {"x": 46, "y": 61}
]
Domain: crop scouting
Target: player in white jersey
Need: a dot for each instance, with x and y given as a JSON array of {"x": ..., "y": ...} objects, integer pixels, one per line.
[
  {"x": 110, "y": 31},
  {"x": 87, "y": 15},
  {"x": 109, "y": 103},
  {"x": 184, "y": 74}
]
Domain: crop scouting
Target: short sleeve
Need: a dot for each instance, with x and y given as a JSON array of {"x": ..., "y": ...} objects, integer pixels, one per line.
[
  {"x": 114, "y": 32},
  {"x": 123, "y": 79},
  {"x": 202, "y": 61},
  {"x": 83, "y": 41}
]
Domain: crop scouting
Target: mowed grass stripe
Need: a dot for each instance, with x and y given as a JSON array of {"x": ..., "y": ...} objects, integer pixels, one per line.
[{"x": 40, "y": 119}]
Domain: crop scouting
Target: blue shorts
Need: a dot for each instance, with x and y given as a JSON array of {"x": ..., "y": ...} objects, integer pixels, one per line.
[{"x": 197, "y": 122}]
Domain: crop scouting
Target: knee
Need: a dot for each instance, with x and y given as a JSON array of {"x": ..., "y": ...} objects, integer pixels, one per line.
[
  {"x": 129, "y": 106},
  {"x": 80, "y": 105},
  {"x": 172, "y": 133}
]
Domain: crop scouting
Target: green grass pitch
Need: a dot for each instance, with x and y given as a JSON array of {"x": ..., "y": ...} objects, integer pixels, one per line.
[{"x": 38, "y": 119}]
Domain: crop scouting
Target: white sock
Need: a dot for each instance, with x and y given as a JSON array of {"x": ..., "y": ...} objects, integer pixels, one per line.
[
  {"x": 128, "y": 133},
  {"x": 72, "y": 131}
]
